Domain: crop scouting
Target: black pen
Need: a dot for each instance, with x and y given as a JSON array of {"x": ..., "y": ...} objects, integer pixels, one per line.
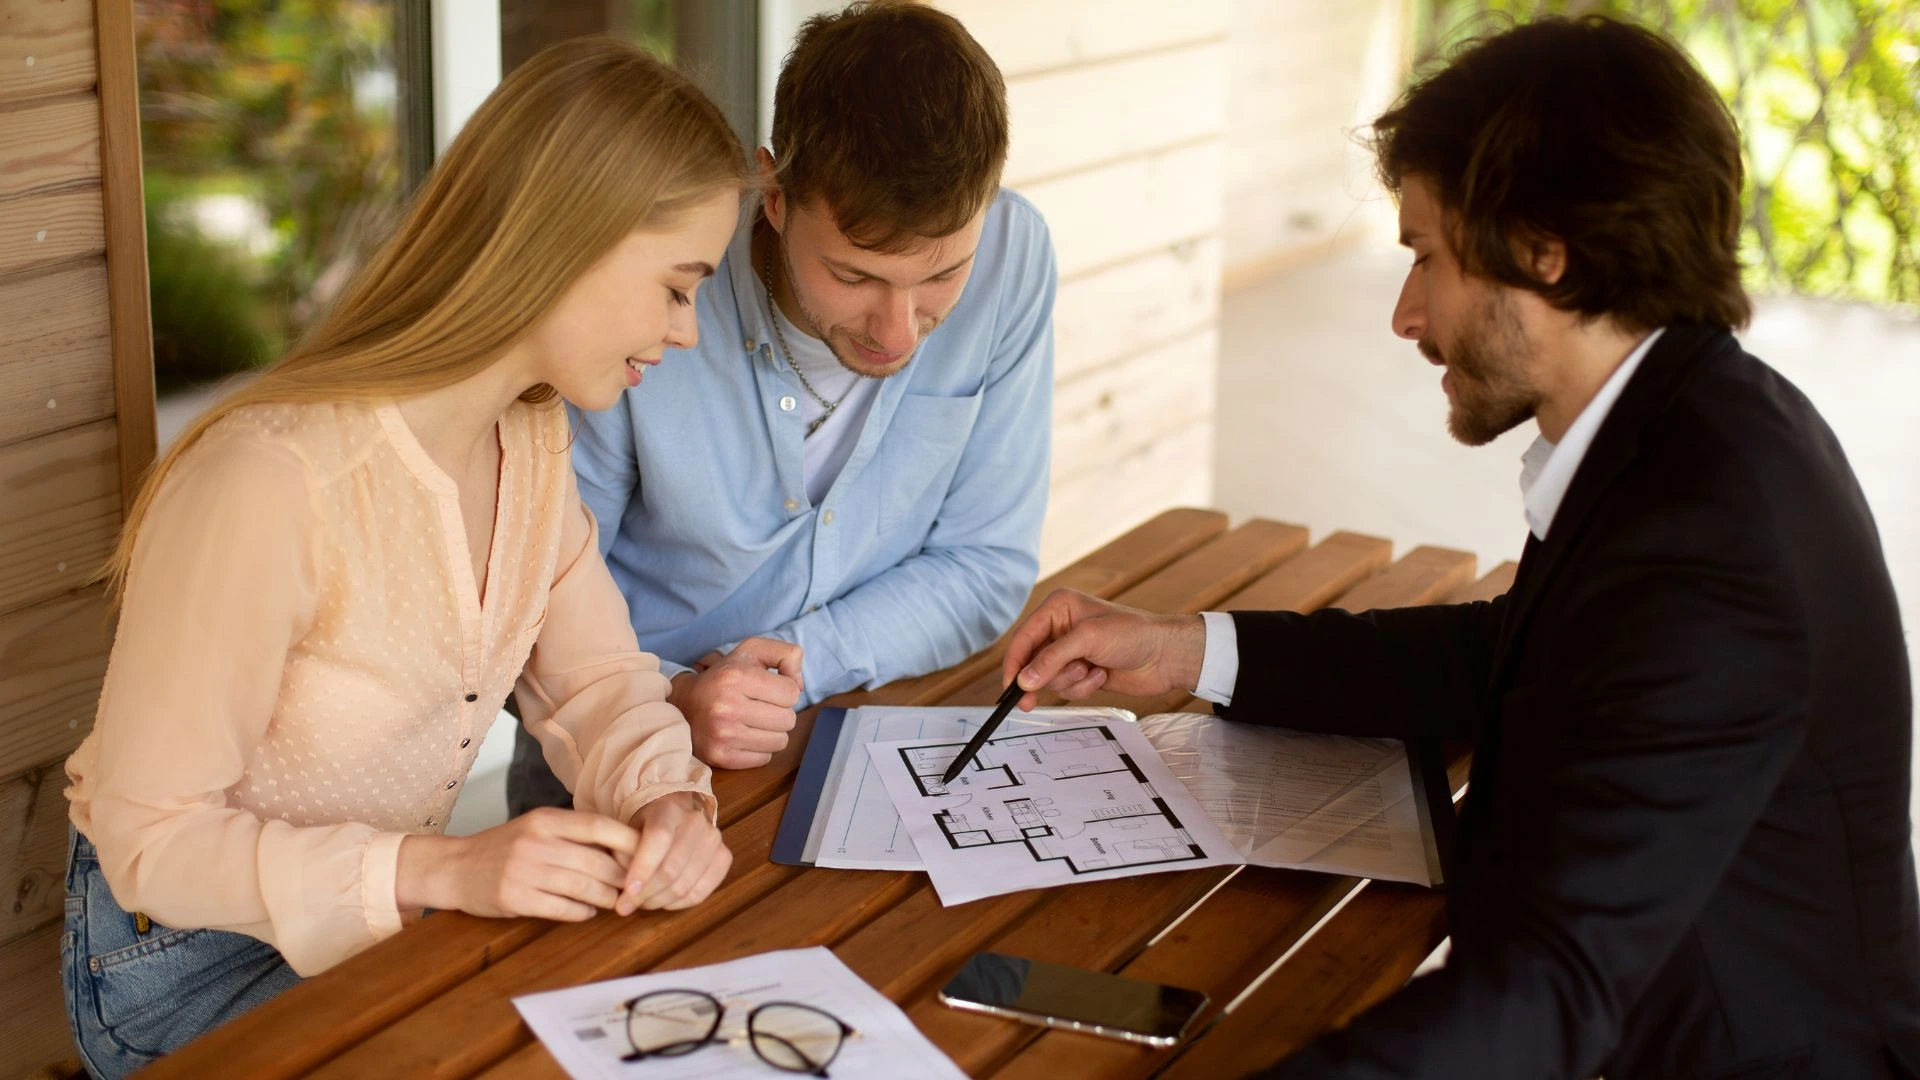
[{"x": 1008, "y": 698}]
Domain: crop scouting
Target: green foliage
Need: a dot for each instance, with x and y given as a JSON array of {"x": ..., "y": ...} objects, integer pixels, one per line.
[
  {"x": 289, "y": 103},
  {"x": 205, "y": 318},
  {"x": 1828, "y": 101}
]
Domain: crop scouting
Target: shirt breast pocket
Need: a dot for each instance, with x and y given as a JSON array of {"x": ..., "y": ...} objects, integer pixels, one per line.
[{"x": 921, "y": 452}]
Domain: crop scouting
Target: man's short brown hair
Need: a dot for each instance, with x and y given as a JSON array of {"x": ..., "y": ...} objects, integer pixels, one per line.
[
  {"x": 892, "y": 115},
  {"x": 1596, "y": 133}
]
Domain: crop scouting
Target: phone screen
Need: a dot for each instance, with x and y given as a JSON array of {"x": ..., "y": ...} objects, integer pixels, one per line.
[{"x": 1073, "y": 997}]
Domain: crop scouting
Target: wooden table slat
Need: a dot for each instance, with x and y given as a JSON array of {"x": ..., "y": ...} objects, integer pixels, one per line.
[
  {"x": 1307, "y": 581},
  {"x": 1496, "y": 583},
  {"x": 1214, "y": 570},
  {"x": 532, "y": 1062},
  {"x": 1430, "y": 574},
  {"x": 1364, "y": 953},
  {"x": 1198, "y": 581},
  {"x": 1109, "y": 572}
]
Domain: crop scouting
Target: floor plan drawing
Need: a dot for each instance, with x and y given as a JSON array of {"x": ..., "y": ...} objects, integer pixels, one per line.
[
  {"x": 1066, "y": 803},
  {"x": 855, "y": 825}
]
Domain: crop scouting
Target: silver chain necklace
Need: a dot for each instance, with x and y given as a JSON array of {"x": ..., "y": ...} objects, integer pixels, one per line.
[{"x": 786, "y": 351}]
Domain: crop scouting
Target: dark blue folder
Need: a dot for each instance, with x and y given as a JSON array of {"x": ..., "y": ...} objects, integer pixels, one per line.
[{"x": 790, "y": 843}]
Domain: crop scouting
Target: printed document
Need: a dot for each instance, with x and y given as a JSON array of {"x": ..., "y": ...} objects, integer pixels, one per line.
[
  {"x": 1067, "y": 803},
  {"x": 585, "y": 1027},
  {"x": 857, "y": 827}
]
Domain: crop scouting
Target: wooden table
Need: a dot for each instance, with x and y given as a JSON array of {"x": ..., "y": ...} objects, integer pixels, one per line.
[{"x": 1288, "y": 954}]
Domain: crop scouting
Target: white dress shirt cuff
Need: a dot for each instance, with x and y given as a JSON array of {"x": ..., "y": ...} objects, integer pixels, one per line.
[{"x": 1220, "y": 664}]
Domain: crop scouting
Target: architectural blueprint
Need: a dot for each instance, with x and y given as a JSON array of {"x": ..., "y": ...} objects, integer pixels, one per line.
[
  {"x": 855, "y": 826},
  {"x": 1046, "y": 807}
]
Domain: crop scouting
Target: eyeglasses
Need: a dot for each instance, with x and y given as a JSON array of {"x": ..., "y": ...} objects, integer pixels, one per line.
[{"x": 784, "y": 1034}]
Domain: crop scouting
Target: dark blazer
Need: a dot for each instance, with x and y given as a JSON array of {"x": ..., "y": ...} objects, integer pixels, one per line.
[{"x": 1685, "y": 849}]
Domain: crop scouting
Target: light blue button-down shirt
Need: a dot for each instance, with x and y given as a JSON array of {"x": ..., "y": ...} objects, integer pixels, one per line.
[{"x": 926, "y": 545}]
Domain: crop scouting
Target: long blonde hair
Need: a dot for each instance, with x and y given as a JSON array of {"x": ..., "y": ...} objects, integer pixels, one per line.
[{"x": 581, "y": 145}]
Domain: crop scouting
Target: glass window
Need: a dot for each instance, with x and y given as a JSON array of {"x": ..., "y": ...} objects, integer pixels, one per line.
[
  {"x": 527, "y": 26},
  {"x": 715, "y": 41},
  {"x": 276, "y": 156}
]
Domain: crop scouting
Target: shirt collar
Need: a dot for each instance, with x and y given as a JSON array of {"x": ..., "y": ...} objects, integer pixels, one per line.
[
  {"x": 1547, "y": 469},
  {"x": 749, "y": 294}
]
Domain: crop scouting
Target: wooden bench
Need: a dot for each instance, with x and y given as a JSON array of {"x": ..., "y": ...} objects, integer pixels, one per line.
[{"x": 436, "y": 999}]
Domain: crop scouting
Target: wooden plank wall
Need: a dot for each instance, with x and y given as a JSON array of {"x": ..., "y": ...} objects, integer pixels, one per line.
[
  {"x": 1306, "y": 75},
  {"x": 1119, "y": 112},
  {"x": 76, "y": 425}
]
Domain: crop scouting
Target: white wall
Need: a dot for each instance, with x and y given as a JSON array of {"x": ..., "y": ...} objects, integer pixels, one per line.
[
  {"x": 1306, "y": 76},
  {"x": 1119, "y": 111}
]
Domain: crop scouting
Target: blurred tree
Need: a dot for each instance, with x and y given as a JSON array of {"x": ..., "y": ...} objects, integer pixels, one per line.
[
  {"x": 289, "y": 104},
  {"x": 1827, "y": 94}
]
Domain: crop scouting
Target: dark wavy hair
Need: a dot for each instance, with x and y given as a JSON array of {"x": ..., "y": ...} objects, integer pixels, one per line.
[{"x": 1594, "y": 132}]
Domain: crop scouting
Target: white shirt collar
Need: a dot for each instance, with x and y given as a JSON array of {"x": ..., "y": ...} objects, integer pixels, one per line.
[{"x": 1547, "y": 469}]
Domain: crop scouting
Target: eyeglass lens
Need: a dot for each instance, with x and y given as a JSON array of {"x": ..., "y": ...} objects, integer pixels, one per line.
[
  {"x": 797, "y": 1038},
  {"x": 671, "y": 1022}
]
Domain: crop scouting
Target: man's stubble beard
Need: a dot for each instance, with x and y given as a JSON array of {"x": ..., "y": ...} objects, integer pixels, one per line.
[
  {"x": 1492, "y": 393},
  {"x": 813, "y": 324}
]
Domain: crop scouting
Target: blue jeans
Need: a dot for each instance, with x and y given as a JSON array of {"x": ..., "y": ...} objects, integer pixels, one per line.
[{"x": 134, "y": 994}]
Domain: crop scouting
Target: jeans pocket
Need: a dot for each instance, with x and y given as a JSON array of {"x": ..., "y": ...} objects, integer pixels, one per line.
[{"x": 150, "y": 982}]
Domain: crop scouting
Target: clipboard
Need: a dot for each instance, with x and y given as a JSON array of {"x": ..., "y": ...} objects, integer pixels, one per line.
[{"x": 798, "y": 842}]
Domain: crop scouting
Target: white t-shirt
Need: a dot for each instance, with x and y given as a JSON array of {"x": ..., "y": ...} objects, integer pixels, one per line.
[{"x": 828, "y": 449}]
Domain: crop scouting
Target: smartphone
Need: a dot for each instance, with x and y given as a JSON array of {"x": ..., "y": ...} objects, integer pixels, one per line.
[{"x": 1074, "y": 999}]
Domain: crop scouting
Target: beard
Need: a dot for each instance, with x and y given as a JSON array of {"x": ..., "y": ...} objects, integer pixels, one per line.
[
  {"x": 1487, "y": 369},
  {"x": 839, "y": 340}
]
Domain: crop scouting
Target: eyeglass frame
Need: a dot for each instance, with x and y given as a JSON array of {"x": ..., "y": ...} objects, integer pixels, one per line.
[{"x": 713, "y": 1037}]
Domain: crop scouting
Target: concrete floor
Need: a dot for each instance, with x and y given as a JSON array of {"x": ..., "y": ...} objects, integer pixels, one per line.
[{"x": 1328, "y": 420}]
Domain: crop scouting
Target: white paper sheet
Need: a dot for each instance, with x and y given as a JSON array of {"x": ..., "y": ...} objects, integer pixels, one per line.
[
  {"x": 1071, "y": 803},
  {"x": 584, "y": 1027},
  {"x": 857, "y": 826},
  {"x": 1296, "y": 799}
]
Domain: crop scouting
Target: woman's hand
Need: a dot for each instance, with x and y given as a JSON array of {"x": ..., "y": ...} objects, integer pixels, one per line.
[
  {"x": 680, "y": 858},
  {"x": 547, "y": 863}
]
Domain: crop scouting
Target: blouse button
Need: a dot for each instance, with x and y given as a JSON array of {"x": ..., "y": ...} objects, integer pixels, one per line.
[
  {"x": 826, "y": 518},
  {"x": 429, "y": 823},
  {"x": 451, "y": 783},
  {"x": 787, "y": 403},
  {"x": 473, "y": 697},
  {"x": 792, "y": 505},
  {"x": 464, "y": 742}
]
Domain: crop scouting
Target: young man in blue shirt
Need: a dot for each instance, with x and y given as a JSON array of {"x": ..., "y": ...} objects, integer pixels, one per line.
[{"x": 842, "y": 484}]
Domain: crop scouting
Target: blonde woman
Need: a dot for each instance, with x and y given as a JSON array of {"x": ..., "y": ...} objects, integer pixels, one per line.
[{"x": 330, "y": 583}]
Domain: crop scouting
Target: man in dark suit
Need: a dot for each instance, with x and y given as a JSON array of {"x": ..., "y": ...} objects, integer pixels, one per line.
[{"x": 1684, "y": 850}]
